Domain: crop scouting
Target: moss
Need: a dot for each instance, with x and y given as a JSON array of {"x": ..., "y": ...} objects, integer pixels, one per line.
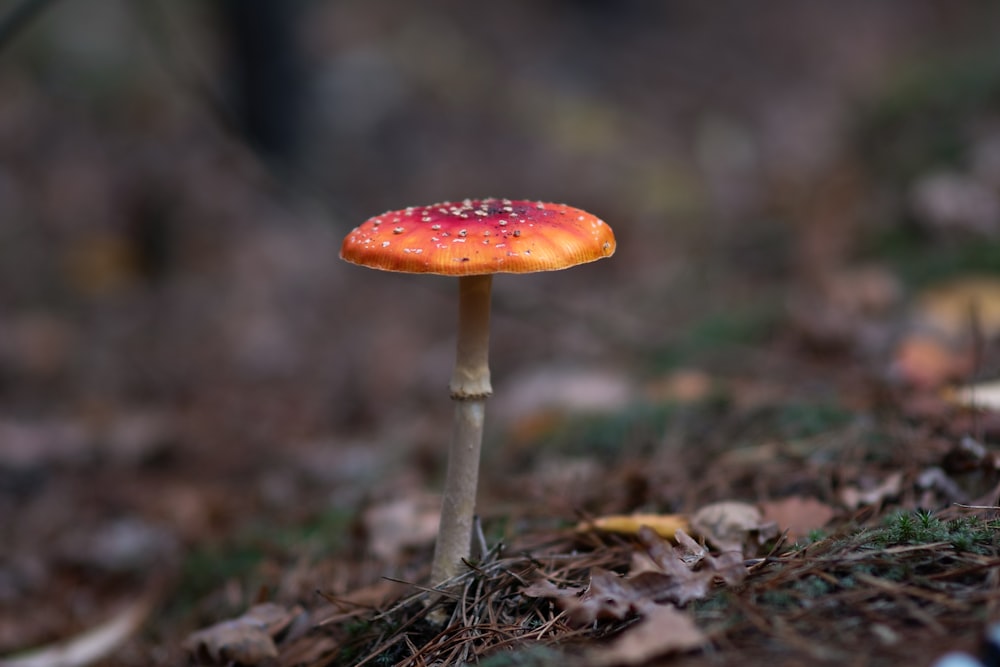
[{"x": 970, "y": 534}]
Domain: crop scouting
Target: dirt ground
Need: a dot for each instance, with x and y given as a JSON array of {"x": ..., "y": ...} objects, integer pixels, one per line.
[{"x": 202, "y": 409}]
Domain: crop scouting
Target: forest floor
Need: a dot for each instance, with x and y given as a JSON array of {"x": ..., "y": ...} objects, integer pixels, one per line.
[{"x": 221, "y": 445}]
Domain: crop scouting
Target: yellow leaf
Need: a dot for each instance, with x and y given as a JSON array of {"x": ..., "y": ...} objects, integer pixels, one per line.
[
  {"x": 952, "y": 307},
  {"x": 665, "y": 525}
]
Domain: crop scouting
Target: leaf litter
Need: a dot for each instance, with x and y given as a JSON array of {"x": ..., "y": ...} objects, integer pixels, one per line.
[{"x": 89, "y": 352}]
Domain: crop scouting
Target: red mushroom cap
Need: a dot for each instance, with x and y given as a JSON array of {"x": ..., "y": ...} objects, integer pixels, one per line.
[{"x": 479, "y": 236}]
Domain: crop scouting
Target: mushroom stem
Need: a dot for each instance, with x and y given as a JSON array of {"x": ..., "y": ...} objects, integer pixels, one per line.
[
  {"x": 470, "y": 387},
  {"x": 471, "y": 378}
]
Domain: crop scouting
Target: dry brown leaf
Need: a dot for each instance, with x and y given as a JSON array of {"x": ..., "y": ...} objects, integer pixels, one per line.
[
  {"x": 682, "y": 386},
  {"x": 662, "y": 573},
  {"x": 689, "y": 563},
  {"x": 402, "y": 524},
  {"x": 609, "y": 596},
  {"x": 854, "y": 497},
  {"x": 798, "y": 515},
  {"x": 663, "y": 629},
  {"x": 310, "y": 649},
  {"x": 377, "y": 595},
  {"x": 844, "y": 308},
  {"x": 927, "y": 362},
  {"x": 949, "y": 307},
  {"x": 732, "y": 525},
  {"x": 665, "y": 525},
  {"x": 543, "y": 588},
  {"x": 247, "y": 640}
]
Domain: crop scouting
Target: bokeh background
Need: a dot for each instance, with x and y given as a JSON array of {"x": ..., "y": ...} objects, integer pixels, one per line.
[{"x": 181, "y": 348}]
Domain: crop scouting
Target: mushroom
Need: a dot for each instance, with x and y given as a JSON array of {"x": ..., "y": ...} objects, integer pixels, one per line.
[{"x": 474, "y": 239}]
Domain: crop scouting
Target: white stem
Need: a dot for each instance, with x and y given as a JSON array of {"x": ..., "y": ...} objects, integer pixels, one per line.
[{"x": 470, "y": 387}]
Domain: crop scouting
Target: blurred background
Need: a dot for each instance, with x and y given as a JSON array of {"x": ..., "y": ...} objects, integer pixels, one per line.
[{"x": 181, "y": 348}]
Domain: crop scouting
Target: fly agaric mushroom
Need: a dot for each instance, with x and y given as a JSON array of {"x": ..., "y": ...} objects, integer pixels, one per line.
[{"x": 474, "y": 239}]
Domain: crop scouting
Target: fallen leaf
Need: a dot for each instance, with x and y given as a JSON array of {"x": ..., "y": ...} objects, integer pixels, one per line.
[
  {"x": 935, "y": 481},
  {"x": 927, "y": 362},
  {"x": 402, "y": 524},
  {"x": 663, "y": 629},
  {"x": 732, "y": 525},
  {"x": 949, "y": 307},
  {"x": 543, "y": 588},
  {"x": 661, "y": 573},
  {"x": 681, "y": 386},
  {"x": 688, "y": 554},
  {"x": 247, "y": 640},
  {"x": 798, "y": 515},
  {"x": 854, "y": 497},
  {"x": 665, "y": 525},
  {"x": 378, "y": 595},
  {"x": 844, "y": 308},
  {"x": 608, "y": 596}
]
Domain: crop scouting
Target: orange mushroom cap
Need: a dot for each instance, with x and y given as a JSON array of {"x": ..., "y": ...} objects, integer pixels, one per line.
[{"x": 479, "y": 236}]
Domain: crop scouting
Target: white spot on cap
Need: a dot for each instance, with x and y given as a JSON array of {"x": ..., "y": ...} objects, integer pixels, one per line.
[
  {"x": 385, "y": 244},
  {"x": 435, "y": 227},
  {"x": 398, "y": 230}
]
